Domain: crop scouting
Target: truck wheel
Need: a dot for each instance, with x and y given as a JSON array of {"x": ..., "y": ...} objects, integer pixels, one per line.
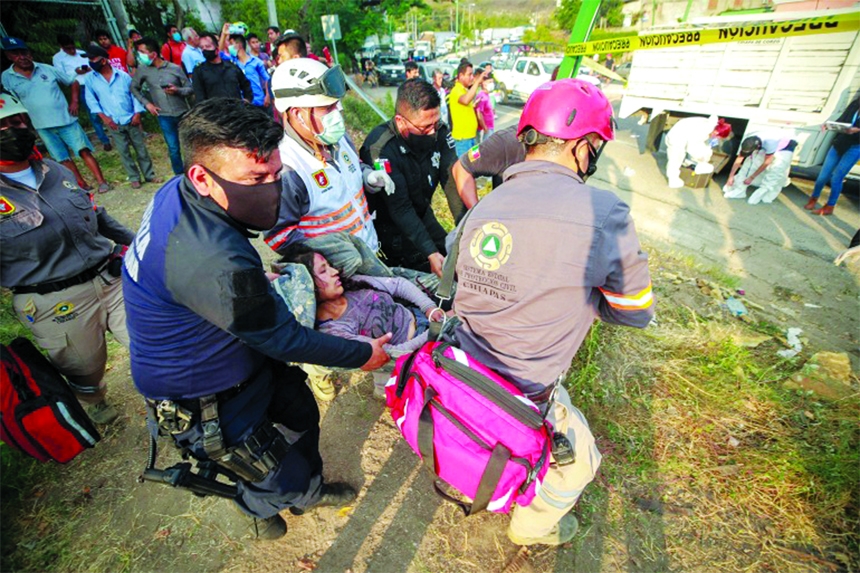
[{"x": 503, "y": 91}]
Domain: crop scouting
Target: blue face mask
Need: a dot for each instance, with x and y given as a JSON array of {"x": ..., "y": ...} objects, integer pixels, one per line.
[
  {"x": 234, "y": 51},
  {"x": 144, "y": 59},
  {"x": 176, "y": 37}
]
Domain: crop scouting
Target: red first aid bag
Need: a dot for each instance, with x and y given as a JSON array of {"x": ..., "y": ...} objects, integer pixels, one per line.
[
  {"x": 39, "y": 413},
  {"x": 475, "y": 430}
]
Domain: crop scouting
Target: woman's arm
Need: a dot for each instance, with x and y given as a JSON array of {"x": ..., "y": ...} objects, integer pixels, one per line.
[{"x": 399, "y": 288}]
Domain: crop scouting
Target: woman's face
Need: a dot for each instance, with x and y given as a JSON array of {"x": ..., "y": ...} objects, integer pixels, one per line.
[{"x": 327, "y": 279}]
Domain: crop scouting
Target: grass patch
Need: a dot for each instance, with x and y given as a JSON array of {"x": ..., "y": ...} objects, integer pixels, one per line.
[
  {"x": 705, "y": 433},
  {"x": 361, "y": 118}
]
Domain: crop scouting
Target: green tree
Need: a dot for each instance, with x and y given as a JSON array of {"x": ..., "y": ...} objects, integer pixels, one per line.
[
  {"x": 39, "y": 23},
  {"x": 255, "y": 14},
  {"x": 567, "y": 13},
  {"x": 356, "y": 23}
]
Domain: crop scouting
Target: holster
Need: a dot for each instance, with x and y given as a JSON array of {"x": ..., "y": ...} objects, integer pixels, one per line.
[{"x": 251, "y": 460}]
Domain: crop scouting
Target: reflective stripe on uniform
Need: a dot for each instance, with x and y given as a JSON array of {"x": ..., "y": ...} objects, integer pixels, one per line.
[{"x": 639, "y": 301}]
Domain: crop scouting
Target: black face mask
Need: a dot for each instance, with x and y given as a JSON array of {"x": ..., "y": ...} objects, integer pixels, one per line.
[
  {"x": 210, "y": 55},
  {"x": 422, "y": 144},
  {"x": 16, "y": 143},
  {"x": 98, "y": 66},
  {"x": 255, "y": 207},
  {"x": 593, "y": 156}
]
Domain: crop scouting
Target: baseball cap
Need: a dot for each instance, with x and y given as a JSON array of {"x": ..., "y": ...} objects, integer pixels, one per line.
[
  {"x": 96, "y": 51},
  {"x": 749, "y": 145},
  {"x": 10, "y": 43}
]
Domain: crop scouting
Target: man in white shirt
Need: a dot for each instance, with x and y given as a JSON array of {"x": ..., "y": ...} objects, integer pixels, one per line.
[
  {"x": 74, "y": 63},
  {"x": 192, "y": 54}
]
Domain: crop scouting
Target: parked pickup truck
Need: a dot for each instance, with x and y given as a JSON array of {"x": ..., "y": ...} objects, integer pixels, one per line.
[{"x": 517, "y": 81}]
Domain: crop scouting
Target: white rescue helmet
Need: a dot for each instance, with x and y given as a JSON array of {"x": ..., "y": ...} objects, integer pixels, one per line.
[
  {"x": 9, "y": 106},
  {"x": 303, "y": 82}
]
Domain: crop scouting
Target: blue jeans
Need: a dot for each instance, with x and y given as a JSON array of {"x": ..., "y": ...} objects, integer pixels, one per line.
[
  {"x": 461, "y": 146},
  {"x": 170, "y": 129},
  {"x": 834, "y": 170}
]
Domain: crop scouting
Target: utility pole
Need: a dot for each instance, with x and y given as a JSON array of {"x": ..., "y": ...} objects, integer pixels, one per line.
[
  {"x": 273, "y": 12},
  {"x": 581, "y": 31}
]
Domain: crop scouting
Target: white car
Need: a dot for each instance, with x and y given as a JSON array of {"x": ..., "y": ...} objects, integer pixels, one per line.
[{"x": 517, "y": 82}]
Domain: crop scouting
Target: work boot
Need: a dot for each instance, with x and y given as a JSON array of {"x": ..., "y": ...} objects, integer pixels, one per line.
[
  {"x": 826, "y": 210},
  {"x": 810, "y": 205},
  {"x": 563, "y": 532},
  {"x": 267, "y": 529},
  {"x": 102, "y": 413},
  {"x": 336, "y": 494}
]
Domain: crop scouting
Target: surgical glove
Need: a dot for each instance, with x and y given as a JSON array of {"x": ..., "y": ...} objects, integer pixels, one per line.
[{"x": 379, "y": 180}]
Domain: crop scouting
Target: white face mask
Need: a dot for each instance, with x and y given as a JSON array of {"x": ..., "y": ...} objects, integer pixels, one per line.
[
  {"x": 490, "y": 86},
  {"x": 333, "y": 127}
]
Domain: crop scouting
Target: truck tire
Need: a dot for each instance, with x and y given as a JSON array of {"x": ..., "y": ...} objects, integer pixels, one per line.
[{"x": 503, "y": 91}]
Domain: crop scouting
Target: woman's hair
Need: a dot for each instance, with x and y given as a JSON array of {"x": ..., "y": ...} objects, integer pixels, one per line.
[{"x": 303, "y": 255}]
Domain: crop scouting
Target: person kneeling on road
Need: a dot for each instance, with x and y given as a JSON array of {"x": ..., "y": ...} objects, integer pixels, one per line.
[
  {"x": 694, "y": 137},
  {"x": 56, "y": 257},
  {"x": 764, "y": 160},
  {"x": 210, "y": 337}
]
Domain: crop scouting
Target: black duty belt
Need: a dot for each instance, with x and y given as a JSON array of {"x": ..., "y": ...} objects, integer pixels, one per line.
[
  {"x": 56, "y": 286},
  {"x": 193, "y": 404}
]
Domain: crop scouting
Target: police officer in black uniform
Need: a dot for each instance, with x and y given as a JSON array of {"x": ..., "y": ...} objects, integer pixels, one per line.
[
  {"x": 417, "y": 151},
  {"x": 209, "y": 335}
]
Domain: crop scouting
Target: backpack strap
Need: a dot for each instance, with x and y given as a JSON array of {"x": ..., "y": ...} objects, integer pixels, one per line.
[{"x": 446, "y": 284}]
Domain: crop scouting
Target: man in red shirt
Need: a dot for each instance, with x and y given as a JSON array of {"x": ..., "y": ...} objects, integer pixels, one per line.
[
  {"x": 172, "y": 50},
  {"x": 118, "y": 57}
]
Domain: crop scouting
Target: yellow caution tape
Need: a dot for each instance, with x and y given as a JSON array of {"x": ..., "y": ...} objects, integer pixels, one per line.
[{"x": 764, "y": 31}]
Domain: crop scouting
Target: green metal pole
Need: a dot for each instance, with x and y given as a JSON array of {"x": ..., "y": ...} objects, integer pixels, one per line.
[
  {"x": 687, "y": 11},
  {"x": 581, "y": 31}
]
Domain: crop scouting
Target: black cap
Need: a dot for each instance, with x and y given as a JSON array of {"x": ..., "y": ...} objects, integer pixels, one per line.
[
  {"x": 96, "y": 51},
  {"x": 749, "y": 145}
]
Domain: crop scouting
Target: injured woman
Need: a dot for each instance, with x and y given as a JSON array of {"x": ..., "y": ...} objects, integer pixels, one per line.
[{"x": 364, "y": 308}]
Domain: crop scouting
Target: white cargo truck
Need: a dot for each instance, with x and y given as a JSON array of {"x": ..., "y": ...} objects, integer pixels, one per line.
[{"x": 792, "y": 83}]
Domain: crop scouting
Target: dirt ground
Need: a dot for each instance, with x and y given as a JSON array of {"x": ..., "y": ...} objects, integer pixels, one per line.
[{"x": 779, "y": 254}]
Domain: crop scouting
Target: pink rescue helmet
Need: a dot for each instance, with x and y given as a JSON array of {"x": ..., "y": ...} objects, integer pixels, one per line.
[{"x": 567, "y": 109}]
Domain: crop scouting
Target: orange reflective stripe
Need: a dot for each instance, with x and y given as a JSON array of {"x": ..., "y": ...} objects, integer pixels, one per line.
[
  {"x": 331, "y": 215},
  {"x": 281, "y": 238},
  {"x": 352, "y": 229},
  {"x": 639, "y": 301}
]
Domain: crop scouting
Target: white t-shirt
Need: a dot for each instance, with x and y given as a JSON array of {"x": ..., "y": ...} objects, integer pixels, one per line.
[
  {"x": 26, "y": 177},
  {"x": 69, "y": 64}
]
